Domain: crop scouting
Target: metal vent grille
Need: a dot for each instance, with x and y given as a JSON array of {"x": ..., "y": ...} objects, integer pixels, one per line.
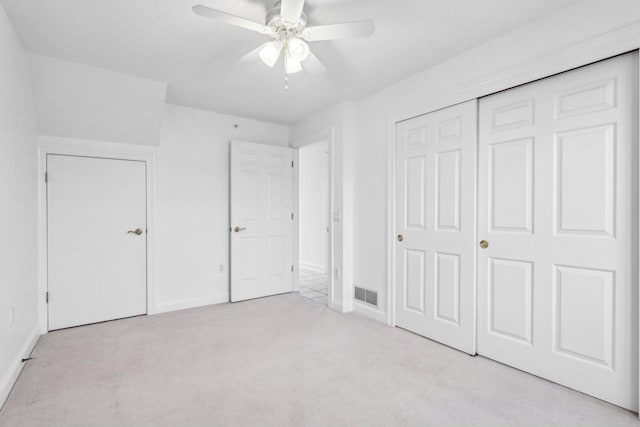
[{"x": 365, "y": 295}]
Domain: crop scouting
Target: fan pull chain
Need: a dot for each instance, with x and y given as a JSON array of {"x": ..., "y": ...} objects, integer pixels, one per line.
[
  {"x": 286, "y": 49},
  {"x": 286, "y": 76}
]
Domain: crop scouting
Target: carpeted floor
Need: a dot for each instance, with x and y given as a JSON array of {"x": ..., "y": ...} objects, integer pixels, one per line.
[{"x": 279, "y": 361}]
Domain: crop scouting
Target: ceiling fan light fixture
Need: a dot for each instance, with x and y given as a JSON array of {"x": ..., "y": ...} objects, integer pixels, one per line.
[
  {"x": 270, "y": 52},
  {"x": 298, "y": 49},
  {"x": 292, "y": 65}
]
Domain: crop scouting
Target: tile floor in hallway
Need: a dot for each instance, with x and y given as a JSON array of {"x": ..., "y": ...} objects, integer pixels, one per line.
[{"x": 313, "y": 285}]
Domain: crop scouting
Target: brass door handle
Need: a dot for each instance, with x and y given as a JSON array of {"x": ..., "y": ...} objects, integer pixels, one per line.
[
  {"x": 137, "y": 231},
  {"x": 400, "y": 237},
  {"x": 238, "y": 229},
  {"x": 484, "y": 244}
]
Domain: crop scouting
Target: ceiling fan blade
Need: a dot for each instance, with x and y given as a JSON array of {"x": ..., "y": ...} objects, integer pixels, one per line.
[
  {"x": 346, "y": 30},
  {"x": 253, "y": 56},
  {"x": 290, "y": 10},
  {"x": 313, "y": 65},
  {"x": 227, "y": 18}
]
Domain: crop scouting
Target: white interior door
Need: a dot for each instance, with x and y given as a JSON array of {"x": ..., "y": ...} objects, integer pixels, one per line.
[
  {"x": 261, "y": 220},
  {"x": 557, "y": 284},
  {"x": 96, "y": 268},
  {"x": 435, "y": 224}
]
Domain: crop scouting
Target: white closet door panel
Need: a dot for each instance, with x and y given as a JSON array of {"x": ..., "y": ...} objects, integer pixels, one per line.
[
  {"x": 96, "y": 267},
  {"x": 557, "y": 285},
  {"x": 435, "y": 214}
]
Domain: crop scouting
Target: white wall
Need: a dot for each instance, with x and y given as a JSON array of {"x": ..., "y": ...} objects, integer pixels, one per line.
[
  {"x": 18, "y": 212},
  {"x": 192, "y": 203},
  {"x": 76, "y": 103},
  {"x": 313, "y": 197},
  {"x": 79, "y": 101},
  {"x": 437, "y": 87}
]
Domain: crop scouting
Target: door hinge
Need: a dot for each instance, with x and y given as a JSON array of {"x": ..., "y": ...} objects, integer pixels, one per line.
[
  {"x": 291, "y": 163},
  {"x": 46, "y": 297},
  {"x": 292, "y": 215},
  {"x": 292, "y": 268},
  {"x": 46, "y": 177}
]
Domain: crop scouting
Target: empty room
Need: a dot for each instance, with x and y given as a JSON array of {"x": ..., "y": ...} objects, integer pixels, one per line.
[{"x": 319, "y": 213}]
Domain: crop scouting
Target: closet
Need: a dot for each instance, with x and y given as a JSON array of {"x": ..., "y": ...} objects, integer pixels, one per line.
[{"x": 549, "y": 284}]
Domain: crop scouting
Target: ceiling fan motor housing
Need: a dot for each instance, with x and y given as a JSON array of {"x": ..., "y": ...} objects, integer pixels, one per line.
[{"x": 275, "y": 21}]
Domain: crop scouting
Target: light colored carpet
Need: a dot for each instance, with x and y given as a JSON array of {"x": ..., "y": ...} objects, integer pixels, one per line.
[{"x": 279, "y": 361}]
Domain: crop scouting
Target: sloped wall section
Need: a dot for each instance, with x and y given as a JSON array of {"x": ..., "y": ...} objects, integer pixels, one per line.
[{"x": 79, "y": 101}]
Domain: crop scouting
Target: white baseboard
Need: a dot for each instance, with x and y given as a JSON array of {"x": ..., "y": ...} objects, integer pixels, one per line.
[
  {"x": 11, "y": 375},
  {"x": 313, "y": 267},
  {"x": 370, "y": 312},
  {"x": 190, "y": 303},
  {"x": 337, "y": 306}
]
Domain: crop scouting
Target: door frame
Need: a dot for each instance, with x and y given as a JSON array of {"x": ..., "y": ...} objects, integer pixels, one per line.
[
  {"x": 608, "y": 45},
  {"x": 97, "y": 149},
  {"x": 324, "y": 134}
]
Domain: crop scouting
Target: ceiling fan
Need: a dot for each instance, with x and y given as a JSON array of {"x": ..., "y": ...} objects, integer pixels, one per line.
[{"x": 286, "y": 23}]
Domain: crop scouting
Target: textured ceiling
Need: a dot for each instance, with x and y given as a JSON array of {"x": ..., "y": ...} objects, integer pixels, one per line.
[{"x": 198, "y": 58}]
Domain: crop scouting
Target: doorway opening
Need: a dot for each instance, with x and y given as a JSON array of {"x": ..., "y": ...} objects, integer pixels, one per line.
[{"x": 313, "y": 222}]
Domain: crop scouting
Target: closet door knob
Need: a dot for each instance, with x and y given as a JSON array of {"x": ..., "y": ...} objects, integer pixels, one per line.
[
  {"x": 400, "y": 238},
  {"x": 238, "y": 229},
  {"x": 137, "y": 231},
  {"x": 484, "y": 244}
]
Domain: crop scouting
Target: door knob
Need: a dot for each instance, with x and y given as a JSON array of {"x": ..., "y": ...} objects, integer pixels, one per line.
[
  {"x": 484, "y": 244},
  {"x": 400, "y": 238},
  {"x": 137, "y": 231},
  {"x": 238, "y": 229}
]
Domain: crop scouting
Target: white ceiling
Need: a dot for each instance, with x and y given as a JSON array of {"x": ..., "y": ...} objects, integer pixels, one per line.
[{"x": 164, "y": 40}]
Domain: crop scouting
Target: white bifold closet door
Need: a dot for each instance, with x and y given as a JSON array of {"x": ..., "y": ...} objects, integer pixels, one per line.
[
  {"x": 558, "y": 284},
  {"x": 261, "y": 220},
  {"x": 435, "y": 225}
]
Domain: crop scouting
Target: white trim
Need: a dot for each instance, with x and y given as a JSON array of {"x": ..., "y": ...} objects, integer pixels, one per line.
[
  {"x": 636, "y": 136},
  {"x": 391, "y": 221},
  {"x": 166, "y": 307},
  {"x": 337, "y": 306},
  {"x": 324, "y": 134},
  {"x": 296, "y": 220},
  {"x": 11, "y": 375},
  {"x": 370, "y": 311},
  {"x": 316, "y": 268},
  {"x": 91, "y": 148},
  {"x": 595, "y": 49}
]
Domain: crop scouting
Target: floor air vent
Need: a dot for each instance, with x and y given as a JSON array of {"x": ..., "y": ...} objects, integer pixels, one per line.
[{"x": 365, "y": 295}]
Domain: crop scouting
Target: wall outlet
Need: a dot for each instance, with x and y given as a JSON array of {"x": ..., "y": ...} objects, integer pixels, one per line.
[
  {"x": 12, "y": 316},
  {"x": 337, "y": 274},
  {"x": 221, "y": 268}
]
